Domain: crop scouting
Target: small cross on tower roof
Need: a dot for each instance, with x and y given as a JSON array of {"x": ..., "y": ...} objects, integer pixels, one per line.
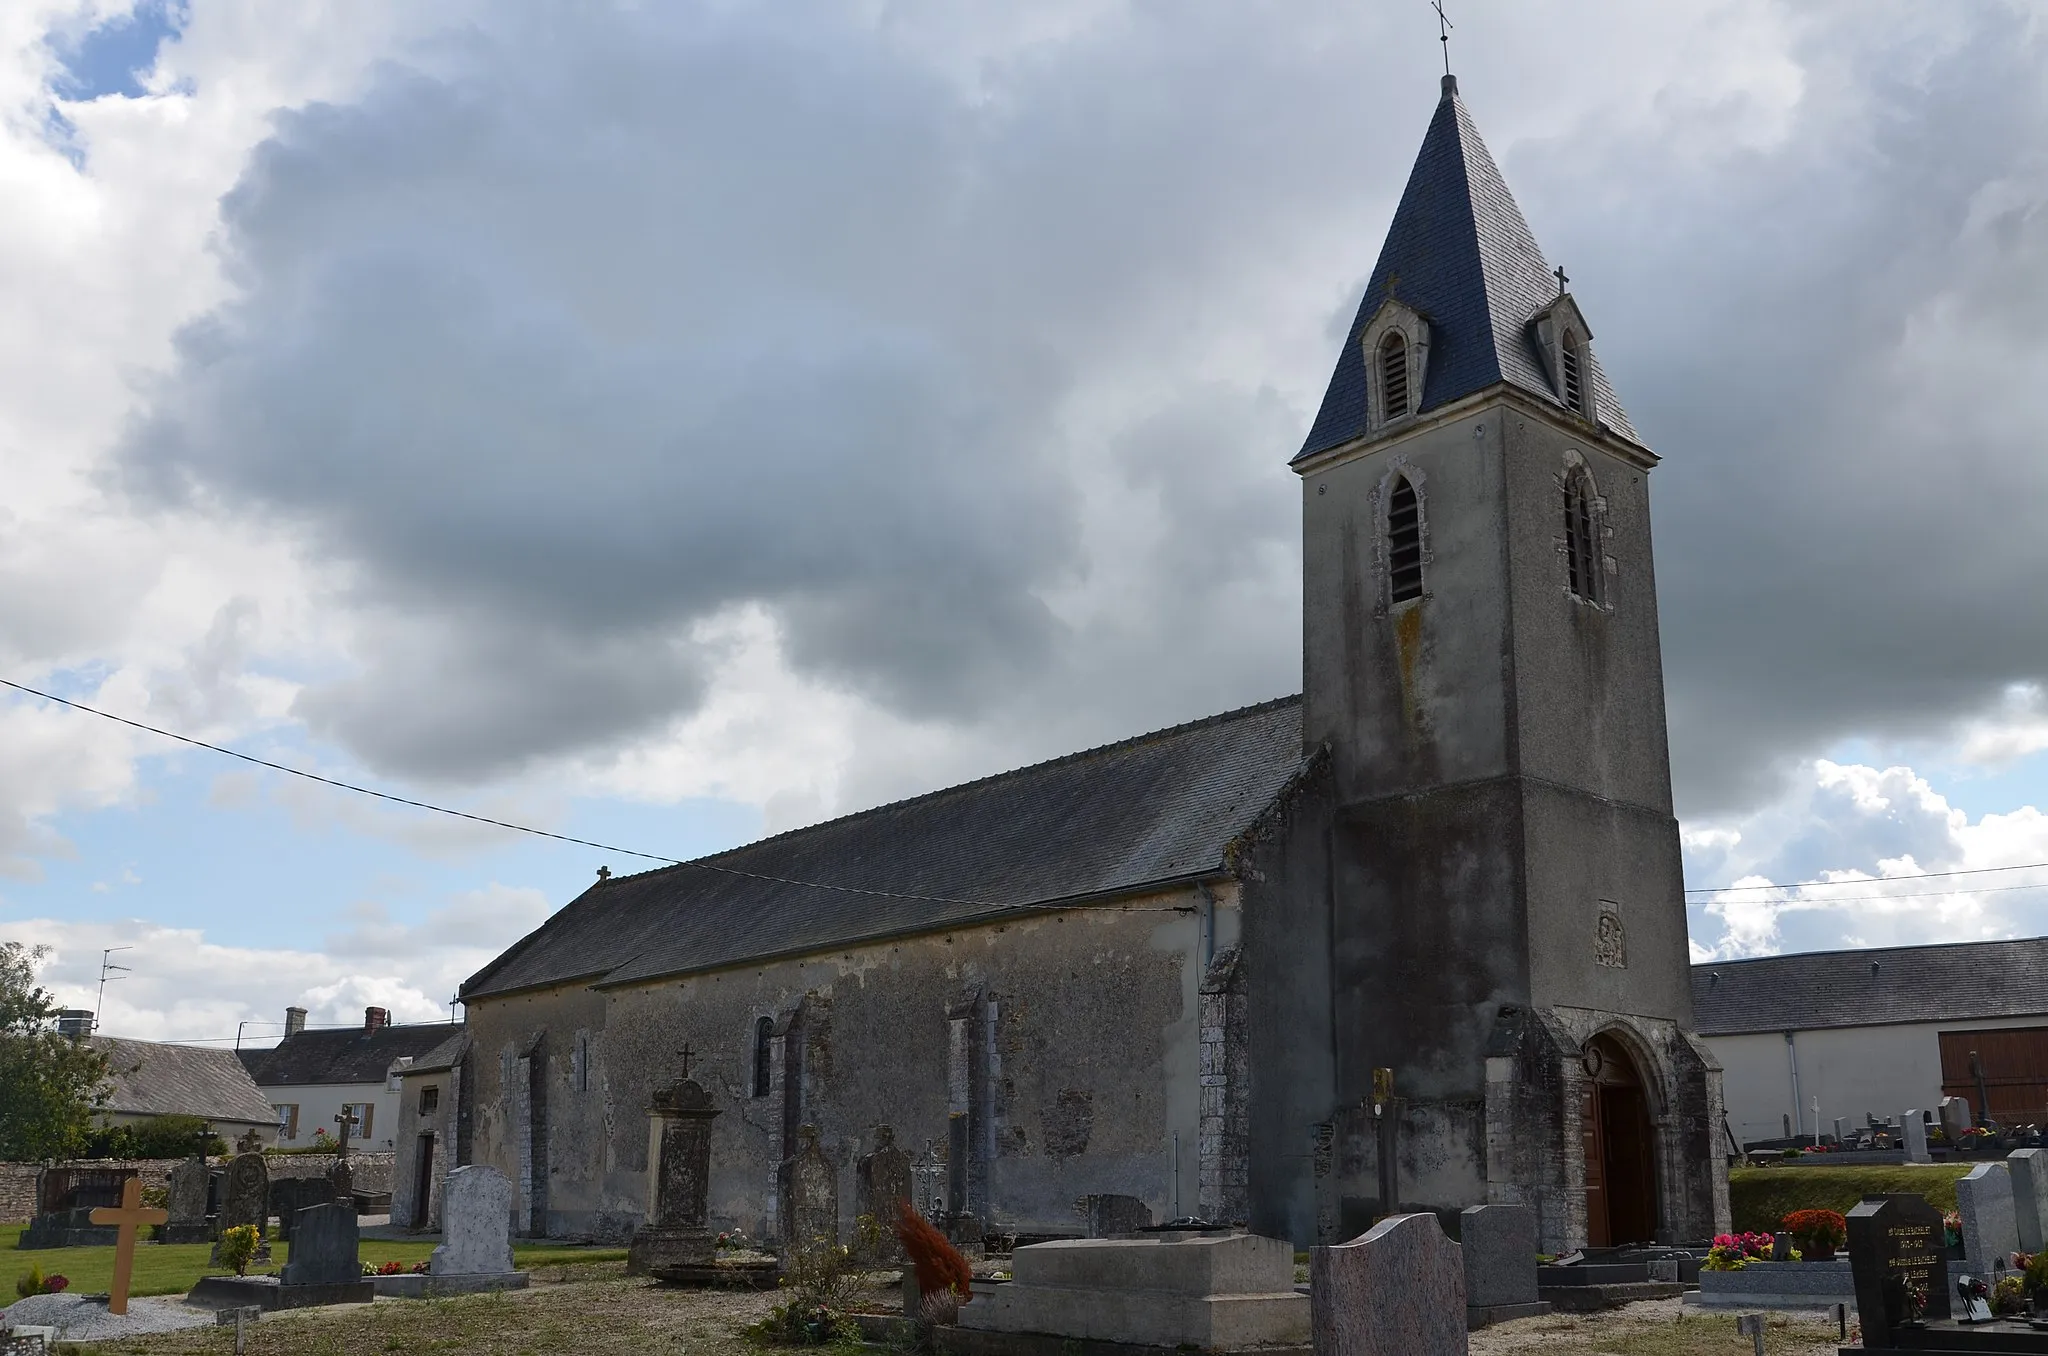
[{"x": 1562, "y": 278}]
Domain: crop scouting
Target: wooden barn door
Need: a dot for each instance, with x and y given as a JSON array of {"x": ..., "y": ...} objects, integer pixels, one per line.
[{"x": 2015, "y": 1069}]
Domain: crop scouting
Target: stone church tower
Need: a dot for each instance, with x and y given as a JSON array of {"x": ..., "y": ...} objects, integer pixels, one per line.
[{"x": 1507, "y": 929}]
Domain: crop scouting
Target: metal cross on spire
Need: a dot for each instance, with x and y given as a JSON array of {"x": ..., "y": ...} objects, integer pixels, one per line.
[
  {"x": 1443, "y": 31},
  {"x": 1562, "y": 278}
]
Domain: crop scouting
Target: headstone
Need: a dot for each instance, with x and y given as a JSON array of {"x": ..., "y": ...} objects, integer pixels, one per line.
[
  {"x": 1955, "y": 1118},
  {"x": 2029, "y": 1168},
  {"x": 1915, "y": 1127},
  {"x": 245, "y": 1194},
  {"x": 1781, "y": 1247},
  {"x": 1896, "y": 1260},
  {"x": 324, "y": 1247},
  {"x": 1990, "y": 1237},
  {"x": 1499, "y": 1246},
  {"x": 190, "y": 1184},
  {"x": 341, "y": 1182},
  {"x": 476, "y": 1224},
  {"x": 290, "y": 1195},
  {"x": 1842, "y": 1130},
  {"x": 810, "y": 1195},
  {"x": 1396, "y": 1290},
  {"x": 676, "y": 1240},
  {"x": 882, "y": 1178},
  {"x": 1111, "y": 1216}
]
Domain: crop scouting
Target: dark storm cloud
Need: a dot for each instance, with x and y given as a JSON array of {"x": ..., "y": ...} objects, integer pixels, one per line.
[{"x": 561, "y": 341}]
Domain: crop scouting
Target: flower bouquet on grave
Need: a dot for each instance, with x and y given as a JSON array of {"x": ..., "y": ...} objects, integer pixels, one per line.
[
  {"x": 2034, "y": 1277},
  {"x": 1817, "y": 1233},
  {"x": 2009, "y": 1297},
  {"x": 1952, "y": 1228}
]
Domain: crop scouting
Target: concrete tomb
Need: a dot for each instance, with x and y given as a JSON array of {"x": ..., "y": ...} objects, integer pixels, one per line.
[
  {"x": 1990, "y": 1236},
  {"x": 325, "y": 1268},
  {"x": 676, "y": 1244},
  {"x": 65, "y": 1200},
  {"x": 1111, "y": 1215},
  {"x": 191, "y": 1185},
  {"x": 1498, "y": 1243},
  {"x": 810, "y": 1195},
  {"x": 1396, "y": 1290},
  {"x": 881, "y": 1179},
  {"x": 1210, "y": 1291},
  {"x": 476, "y": 1248},
  {"x": 1915, "y": 1127},
  {"x": 2029, "y": 1169}
]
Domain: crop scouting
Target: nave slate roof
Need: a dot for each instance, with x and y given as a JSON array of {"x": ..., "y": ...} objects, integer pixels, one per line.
[
  {"x": 1461, "y": 253},
  {"x": 1159, "y": 808},
  {"x": 1880, "y": 986}
]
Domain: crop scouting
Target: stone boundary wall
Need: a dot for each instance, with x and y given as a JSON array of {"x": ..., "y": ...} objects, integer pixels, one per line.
[{"x": 373, "y": 1172}]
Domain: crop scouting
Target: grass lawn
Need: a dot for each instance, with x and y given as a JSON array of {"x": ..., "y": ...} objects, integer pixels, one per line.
[
  {"x": 1759, "y": 1198},
  {"x": 171, "y": 1268},
  {"x": 1656, "y": 1328}
]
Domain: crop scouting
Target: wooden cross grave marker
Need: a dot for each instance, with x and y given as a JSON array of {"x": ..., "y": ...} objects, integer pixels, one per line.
[{"x": 129, "y": 1216}]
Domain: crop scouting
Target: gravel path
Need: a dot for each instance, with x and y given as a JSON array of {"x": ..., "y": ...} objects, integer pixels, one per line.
[{"x": 84, "y": 1318}]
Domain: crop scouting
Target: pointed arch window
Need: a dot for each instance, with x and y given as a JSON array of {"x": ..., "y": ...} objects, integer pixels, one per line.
[
  {"x": 1571, "y": 363},
  {"x": 1581, "y": 538},
  {"x": 764, "y": 1043},
  {"x": 1393, "y": 358},
  {"x": 1404, "y": 542}
]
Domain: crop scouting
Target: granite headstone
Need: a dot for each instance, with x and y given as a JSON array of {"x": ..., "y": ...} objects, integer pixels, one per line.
[
  {"x": 476, "y": 1224},
  {"x": 325, "y": 1244},
  {"x": 1955, "y": 1118},
  {"x": 1897, "y": 1263},
  {"x": 1990, "y": 1236},
  {"x": 1915, "y": 1128},
  {"x": 2029, "y": 1168},
  {"x": 1499, "y": 1246},
  {"x": 1396, "y": 1290}
]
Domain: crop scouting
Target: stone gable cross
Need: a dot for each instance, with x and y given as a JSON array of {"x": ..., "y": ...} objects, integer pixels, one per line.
[
  {"x": 688, "y": 1055},
  {"x": 127, "y": 1217},
  {"x": 1562, "y": 278}
]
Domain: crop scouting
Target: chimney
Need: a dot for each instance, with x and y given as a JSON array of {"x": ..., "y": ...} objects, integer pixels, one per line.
[
  {"x": 75, "y": 1023},
  {"x": 376, "y": 1019},
  {"x": 294, "y": 1021}
]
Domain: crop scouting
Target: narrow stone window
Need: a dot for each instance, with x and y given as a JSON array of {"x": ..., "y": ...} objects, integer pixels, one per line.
[
  {"x": 1581, "y": 541},
  {"x": 1394, "y": 375},
  {"x": 1570, "y": 363},
  {"x": 430, "y": 1100},
  {"x": 1404, "y": 542},
  {"x": 764, "y": 1044}
]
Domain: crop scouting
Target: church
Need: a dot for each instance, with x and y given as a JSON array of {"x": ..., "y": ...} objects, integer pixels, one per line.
[{"x": 1415, "y": 937}]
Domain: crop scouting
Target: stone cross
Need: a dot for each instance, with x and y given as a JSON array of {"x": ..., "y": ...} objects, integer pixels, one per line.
[
  {"x": 346, "y": 1120},
  {"x": 688, "y": 1055},
  {"x": 127, "y": 1217}
]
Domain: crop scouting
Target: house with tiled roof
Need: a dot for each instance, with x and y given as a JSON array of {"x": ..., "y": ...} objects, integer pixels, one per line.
[
  {"x": 149, "y": 1079},
  {"x": 1432, "y": 904},
  {"x": 1817, "y": 1042},
  {"x": 314, "y": 1075}
]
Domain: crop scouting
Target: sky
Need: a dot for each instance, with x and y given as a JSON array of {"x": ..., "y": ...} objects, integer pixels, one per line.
[{"x": 667, "y": 424}]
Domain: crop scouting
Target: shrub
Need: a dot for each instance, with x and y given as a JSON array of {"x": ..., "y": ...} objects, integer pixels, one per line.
[
  {"x": 158, "y": 1137},
  {"x": 1817, "y": 1230},
  {"x": 940, "y": 1267},
  {"x": 2009, "y": 1296},
  {"x": 238, "y": 1246},
  {"x": 2037, "y": 1273}
]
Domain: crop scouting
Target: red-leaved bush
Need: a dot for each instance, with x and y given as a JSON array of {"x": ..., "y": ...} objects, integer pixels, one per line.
[{"x": 940, "y": 1267}]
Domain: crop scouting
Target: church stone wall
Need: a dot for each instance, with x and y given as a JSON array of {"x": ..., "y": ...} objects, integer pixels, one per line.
[{"x": 1069, "y": 1042}]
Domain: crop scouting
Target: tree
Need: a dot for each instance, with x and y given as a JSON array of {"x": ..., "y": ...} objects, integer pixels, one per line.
[{"x": 48, "y": 1082}]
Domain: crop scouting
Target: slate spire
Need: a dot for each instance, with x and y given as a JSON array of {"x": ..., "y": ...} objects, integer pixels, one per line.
[{"x": 1461, "y": 253}]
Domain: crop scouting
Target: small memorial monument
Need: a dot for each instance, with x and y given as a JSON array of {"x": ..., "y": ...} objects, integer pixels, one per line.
[
  {"x": 1914, "y": 1126},
  {"x": 1955, "y": 1118},
  {"x": 1895, "y": 1258},
  {"x": 676, "y": 1244},
  {"x": 810, "y": 1195},
  {"x": 1396, "y": 1290},
  {"x": 1498, "y": 1243},
  {"x": 1985, "y": 1201},
  {"x": 881, "y": 1179},
  {"x": 245, "y": 1199},
  {"x": 190, "y": 1186}
]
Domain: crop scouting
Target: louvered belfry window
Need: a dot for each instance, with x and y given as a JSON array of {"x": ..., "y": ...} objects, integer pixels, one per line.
[
  {"x": 1568, "y": 363},
  {"x": 1581, "y": 554},
  {"x": 1404, "y": 542},
  {"x": 1394, "y": 375}
]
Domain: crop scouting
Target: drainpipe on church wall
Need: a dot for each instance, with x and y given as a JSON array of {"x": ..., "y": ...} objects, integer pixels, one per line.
[{"x": 1792, "y": 1063}]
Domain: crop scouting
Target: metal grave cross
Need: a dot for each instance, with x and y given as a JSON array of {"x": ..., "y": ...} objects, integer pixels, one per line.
[
  {"x": 1562, "y": 278},
  {"x": 127, "y": 1217}
]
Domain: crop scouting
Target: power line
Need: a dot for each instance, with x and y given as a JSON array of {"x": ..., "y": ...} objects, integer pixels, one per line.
[
  {"x": 1910, "y": 894},
  {"x": 1875, "y": 880},
  {"x": 485, "y": 819}
]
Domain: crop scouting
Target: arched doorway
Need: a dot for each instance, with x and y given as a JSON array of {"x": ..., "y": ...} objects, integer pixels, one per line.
[{"x": 1621, "y": 1173}]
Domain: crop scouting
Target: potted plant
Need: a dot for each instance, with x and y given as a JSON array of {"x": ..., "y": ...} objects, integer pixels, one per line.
[{"x": 1817, "y": 1233}]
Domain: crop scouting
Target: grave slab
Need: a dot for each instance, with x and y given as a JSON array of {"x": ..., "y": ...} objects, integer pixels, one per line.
[
  {"x": 1396, "y": 1290},
  {"x": 227, "y": 1292},
  {"x": 1212, "y": 1291}
]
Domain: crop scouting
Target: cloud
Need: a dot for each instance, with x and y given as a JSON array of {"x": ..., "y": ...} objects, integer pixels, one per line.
[{"x": 1880, "y": 842}]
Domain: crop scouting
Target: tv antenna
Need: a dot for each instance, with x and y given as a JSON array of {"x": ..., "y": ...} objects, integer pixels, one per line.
[{"x": 108, "y": 970}]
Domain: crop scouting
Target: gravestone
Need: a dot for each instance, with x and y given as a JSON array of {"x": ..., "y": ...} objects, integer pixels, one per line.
[
  {"x": 1955, "y": 1118},
  {"x": 1498, "y": 1243},
  {"x": 290, "y": 1195},
  {"x": 1895, "y": 1254},
  {"x": 1990, "y": 1236},
  {"x": 810, "y": 1195},
  {"x": 1915, "y": 1127},
  {"x": 1396, "y": 1290},
  {"x": 245, "y": 1200},
  {"x": 190, "y": 1185},
  {"x": 325, "y": 1245},
  {"x": 341, "y": 1182},
  {"x": 2029, "y": 1168},
  {"x": 882, "y": 1178},
  {"x": 476, "y": 1224},
  {"x": 1112, "y": 1215},
  {"x": 676, "y": 1243},
  {"x": 1842, "y": 1131}
]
